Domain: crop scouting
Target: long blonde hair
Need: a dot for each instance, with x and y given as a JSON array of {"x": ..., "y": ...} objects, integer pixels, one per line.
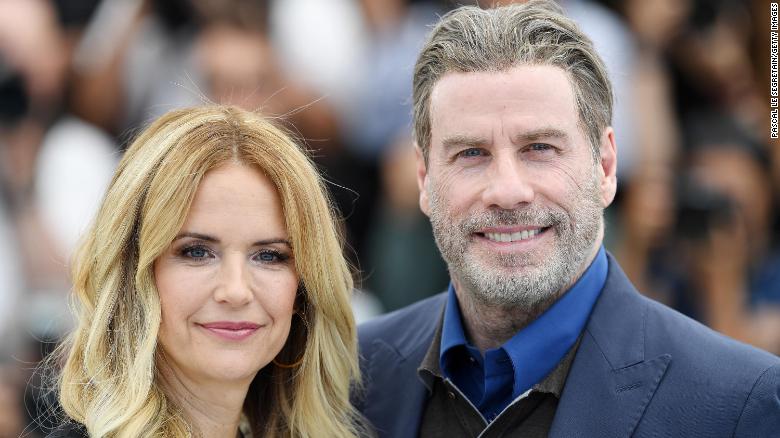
[{"x": 110, "y": 380}]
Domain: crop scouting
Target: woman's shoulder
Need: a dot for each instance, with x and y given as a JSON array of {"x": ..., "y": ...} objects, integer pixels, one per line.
[{"x": 69, "y": 430}]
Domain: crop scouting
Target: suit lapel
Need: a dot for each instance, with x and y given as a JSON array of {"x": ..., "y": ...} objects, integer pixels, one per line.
[
  {"x": 600, "y": 401},
  {"x": 397, "y": 411},
  {"x": 395, "y": 394},
  {"x": 610, "y": 382}
]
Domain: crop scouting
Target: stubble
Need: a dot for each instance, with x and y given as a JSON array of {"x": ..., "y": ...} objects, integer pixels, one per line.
[{"x": 531, "y": 280}]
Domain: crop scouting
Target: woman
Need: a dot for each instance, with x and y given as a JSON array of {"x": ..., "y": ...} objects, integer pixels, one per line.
[{"x": 213, "y": 295}]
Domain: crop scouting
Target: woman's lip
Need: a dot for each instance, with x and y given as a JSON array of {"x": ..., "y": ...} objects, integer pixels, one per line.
[
  {"x": 231, "y": 325},
  {"x": 233, "y": 331}
]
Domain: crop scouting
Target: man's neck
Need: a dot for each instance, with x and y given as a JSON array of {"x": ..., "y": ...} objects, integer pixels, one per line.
[{"x": 490, "y": 325}]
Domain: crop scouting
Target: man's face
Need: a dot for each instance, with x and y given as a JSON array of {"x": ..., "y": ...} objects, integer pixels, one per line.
[{"x": 513, "y": 192}]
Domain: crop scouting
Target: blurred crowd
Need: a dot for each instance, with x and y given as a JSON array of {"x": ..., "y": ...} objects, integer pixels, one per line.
[{"x": 695, "y": 223}]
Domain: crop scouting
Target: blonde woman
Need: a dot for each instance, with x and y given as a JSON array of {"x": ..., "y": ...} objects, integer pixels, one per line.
[{"x": 213, "y": 298}]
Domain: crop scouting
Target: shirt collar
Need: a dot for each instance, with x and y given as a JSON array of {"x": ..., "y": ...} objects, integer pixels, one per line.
[{"x": 536, "y": 349}]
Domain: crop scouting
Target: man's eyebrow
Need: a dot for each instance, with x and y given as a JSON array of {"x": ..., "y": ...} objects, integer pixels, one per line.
[
  {"x": 213, "y": 239},
  {"x": 462, "y": 140},
  {"x": 538, "y": 134}
]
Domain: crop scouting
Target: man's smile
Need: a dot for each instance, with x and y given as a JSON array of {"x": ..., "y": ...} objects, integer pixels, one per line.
[{"x": 508, "y": 235}]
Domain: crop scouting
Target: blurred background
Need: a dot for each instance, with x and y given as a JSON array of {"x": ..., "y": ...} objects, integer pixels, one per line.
[{"x": 695, "y": 224}]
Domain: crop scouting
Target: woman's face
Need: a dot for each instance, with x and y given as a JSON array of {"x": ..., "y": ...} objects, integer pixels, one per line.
[{"x": 227, "y": 283}]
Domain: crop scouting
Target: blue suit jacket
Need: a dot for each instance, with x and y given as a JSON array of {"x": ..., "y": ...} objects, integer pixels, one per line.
[{"x": 641, "y": 370}]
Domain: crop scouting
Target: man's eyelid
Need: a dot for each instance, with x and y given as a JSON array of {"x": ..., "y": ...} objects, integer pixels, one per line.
[
  {"x": 533, "y": 146},
  {"x": 463, "y": 152}
]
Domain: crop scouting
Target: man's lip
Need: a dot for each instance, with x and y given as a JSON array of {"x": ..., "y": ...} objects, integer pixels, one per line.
[
  {"x": 522, "y": 235},
  {"x": 231, "y": 325},
  {"x": 509, "y": 229}
]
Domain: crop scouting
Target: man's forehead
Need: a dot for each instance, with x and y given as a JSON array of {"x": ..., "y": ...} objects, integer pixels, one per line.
[
  {"x": 529, "y": 101},
  {"x": 527, "y": 78}
]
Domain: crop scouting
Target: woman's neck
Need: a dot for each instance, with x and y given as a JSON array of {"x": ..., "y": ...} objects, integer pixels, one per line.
[{"x": 212, "y": 408}]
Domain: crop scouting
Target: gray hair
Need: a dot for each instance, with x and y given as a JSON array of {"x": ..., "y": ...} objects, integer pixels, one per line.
[{"x": 470, "y": 39}]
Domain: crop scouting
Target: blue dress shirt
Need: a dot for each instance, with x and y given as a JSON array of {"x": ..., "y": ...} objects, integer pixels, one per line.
[{"x": 492, "y": 382}]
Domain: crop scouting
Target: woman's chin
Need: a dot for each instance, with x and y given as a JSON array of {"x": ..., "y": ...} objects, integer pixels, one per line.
[
  {"x": 232, "y": 372},
  {"x": 223, "y": 367}
]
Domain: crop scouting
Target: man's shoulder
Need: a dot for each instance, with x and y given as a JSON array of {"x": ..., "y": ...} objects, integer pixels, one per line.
[
  {"x": 670, "y": 331},
  {"x": 404, "y": 327},
  {"x": 721, "y": 384},
  {"x": 710, "y": 373},
  {"x": 693, "y": 346}
]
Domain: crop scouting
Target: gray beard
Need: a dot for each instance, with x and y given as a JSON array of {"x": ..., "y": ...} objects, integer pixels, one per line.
[{"x": 528, "y": 280}]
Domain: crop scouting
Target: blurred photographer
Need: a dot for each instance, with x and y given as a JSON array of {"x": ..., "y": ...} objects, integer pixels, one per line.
[{"x": 724, "y": 241}]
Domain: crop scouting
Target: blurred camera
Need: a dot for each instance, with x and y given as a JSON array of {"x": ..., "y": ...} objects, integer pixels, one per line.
[
  {"x": 701, "y": 209},
  {"x": 14, "y": 101}
]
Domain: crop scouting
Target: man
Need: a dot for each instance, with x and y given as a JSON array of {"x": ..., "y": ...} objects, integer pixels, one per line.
[{"x": 540, "y": 333}]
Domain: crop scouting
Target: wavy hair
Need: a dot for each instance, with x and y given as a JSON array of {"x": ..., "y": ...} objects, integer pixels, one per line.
[{"x": 110, "y": 380}]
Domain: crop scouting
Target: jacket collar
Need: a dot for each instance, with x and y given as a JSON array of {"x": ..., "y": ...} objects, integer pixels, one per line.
[
  {"x": 611, "y": 381},
  {"x": 397, "y": 408}
]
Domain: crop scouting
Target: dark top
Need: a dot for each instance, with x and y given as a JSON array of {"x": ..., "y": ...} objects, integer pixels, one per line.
[
  {"x": 69, "y": 430},
  {"x": 450, "y": 414}
]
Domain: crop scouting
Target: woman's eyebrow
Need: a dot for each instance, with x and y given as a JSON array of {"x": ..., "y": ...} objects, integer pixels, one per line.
[
  {"x": 198, "y": 236},
  {"x": 272, "y": 241},
  {"x": 207, "y": 238}
]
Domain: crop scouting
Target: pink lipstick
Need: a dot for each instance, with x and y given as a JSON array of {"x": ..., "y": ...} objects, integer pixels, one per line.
[{"x": 231, "y": 330}]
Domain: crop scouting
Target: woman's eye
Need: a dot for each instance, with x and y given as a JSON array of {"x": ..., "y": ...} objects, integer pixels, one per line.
[
  {"x": 270, "y": 256},
  {"x": 196, "y": 252}
]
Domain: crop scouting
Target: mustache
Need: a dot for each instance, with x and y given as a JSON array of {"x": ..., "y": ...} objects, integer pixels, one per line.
[{"x": 531, "y": 215}]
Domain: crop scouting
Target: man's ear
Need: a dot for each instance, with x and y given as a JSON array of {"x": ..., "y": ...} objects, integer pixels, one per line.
[
  {"x": 422, "y": 179},
  {"x": 608, "y": 166}
]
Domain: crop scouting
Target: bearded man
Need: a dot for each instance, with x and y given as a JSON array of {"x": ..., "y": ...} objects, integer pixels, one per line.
[{"x": 540, "y": 333}]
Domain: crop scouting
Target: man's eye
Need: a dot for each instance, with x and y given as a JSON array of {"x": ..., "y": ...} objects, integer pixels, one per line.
[
  {"x": 196, "y": 252},
  {"x": 471, "y": 153},
  {"x": 540, "y": 147}
]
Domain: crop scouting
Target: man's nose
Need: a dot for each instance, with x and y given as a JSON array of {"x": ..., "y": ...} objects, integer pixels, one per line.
[
  {"x": 508, "y": 184},
  {"x": 234, "y": 286}
]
